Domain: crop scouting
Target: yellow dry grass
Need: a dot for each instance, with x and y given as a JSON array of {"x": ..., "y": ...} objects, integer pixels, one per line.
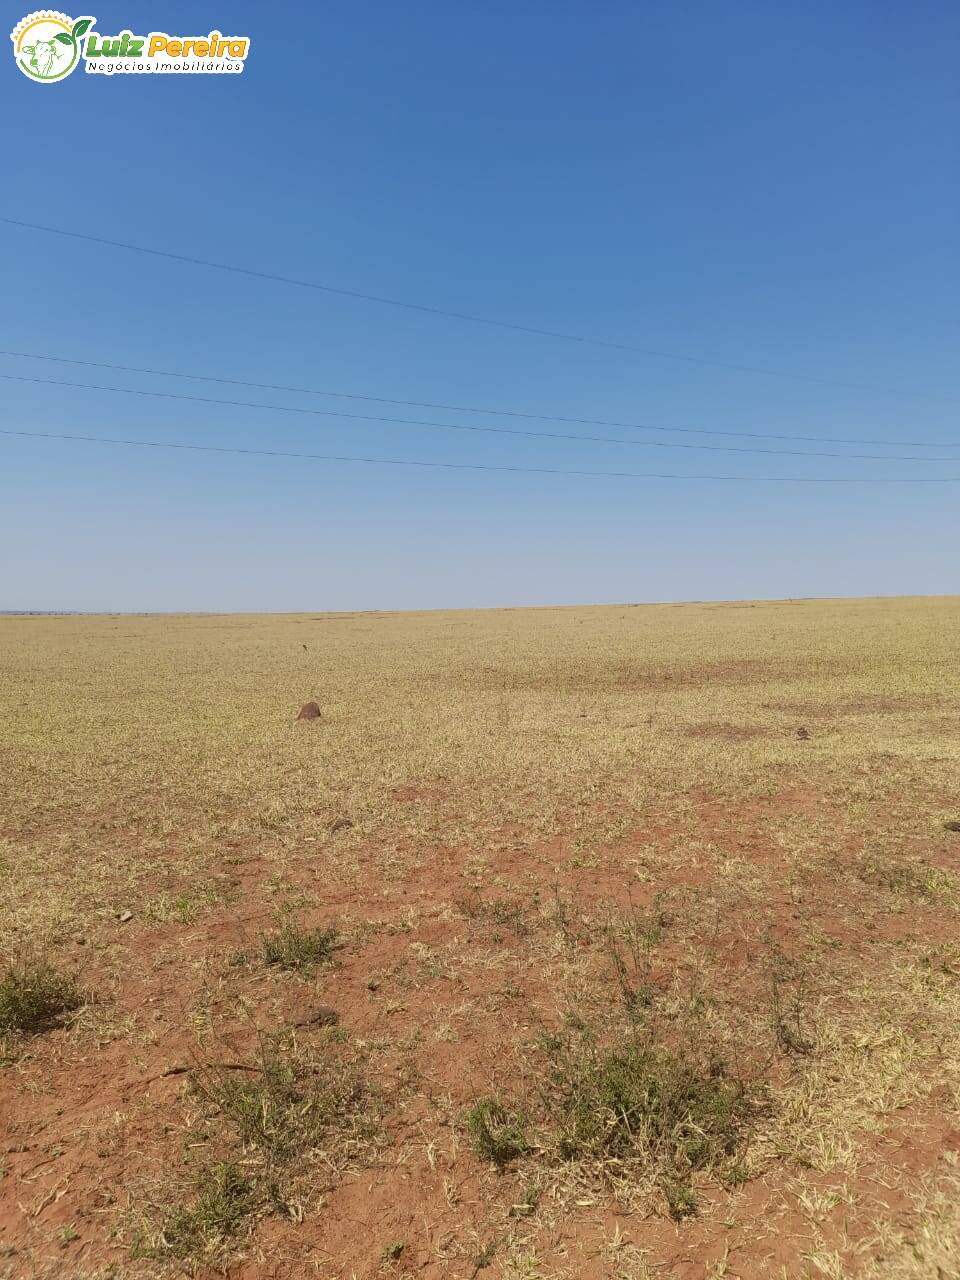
[{"x": 574, "y": 721}]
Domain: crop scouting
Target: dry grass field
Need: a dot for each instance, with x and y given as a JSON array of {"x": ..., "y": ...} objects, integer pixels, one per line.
[{"x": 589, "y": 942}]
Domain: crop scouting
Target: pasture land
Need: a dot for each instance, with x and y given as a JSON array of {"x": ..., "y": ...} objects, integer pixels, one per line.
[{"x": 583, "y": 942}]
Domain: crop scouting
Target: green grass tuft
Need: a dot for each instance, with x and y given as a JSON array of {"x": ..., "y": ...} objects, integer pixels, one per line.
[
  {"x": 674, "y": 1114},
  {"x": 34, "y": 997},
  {"x": 199, "y": 1231},
  {"x": 497, "y": 1133},
  {"x": 291, "y": 947}
]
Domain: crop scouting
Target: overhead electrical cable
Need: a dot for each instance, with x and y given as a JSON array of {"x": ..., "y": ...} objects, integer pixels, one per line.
[
  {"x": 459, "y": 408},
  {"x": 468, "y": 466},
  {"x": 489, "y": 321},
  {"x": 471, "y": 427}
]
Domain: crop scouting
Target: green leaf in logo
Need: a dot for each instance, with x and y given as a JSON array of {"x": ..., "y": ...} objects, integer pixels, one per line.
[
  {"x": 63, "y": 37},
  {"x": 81, "y": 27}
]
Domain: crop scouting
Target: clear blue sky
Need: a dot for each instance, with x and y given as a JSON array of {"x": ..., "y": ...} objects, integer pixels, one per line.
[{"x": 763, "y": 184}]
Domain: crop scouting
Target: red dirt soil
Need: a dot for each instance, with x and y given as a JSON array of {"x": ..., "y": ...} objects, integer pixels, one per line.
[{"x": 89, "y": 1129}]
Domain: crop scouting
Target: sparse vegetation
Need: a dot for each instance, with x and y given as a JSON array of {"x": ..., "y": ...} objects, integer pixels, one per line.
[
  {"x": 638, "y": 1105},
  {"x": 199, "y": 1231},
  {"x": 497, "y": 1133},
  {"x": 291, "y": 947},
  {"x": 183, "y": 908},
  {"x": 618, "y": 938},
  {"x": 276, "y": 1118},
  {"x": 496, "y": 911},
  {"x": 289, "y": 1102},
  {"x": 925, "y": 883},
  {"x": 34, "y": 997},
  {"x": 789, "y": 1007},
  {"x": 629, "y": 941},
  {"x": 626, "y": 1111}
]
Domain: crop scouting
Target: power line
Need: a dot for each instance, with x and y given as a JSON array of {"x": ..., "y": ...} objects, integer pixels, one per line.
[
  {"x": 358, "y": 296},
  {"x": 467, "y": 466},
  {"x": 472, "y": 427},
  {"x": 459, "y": 408}
]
